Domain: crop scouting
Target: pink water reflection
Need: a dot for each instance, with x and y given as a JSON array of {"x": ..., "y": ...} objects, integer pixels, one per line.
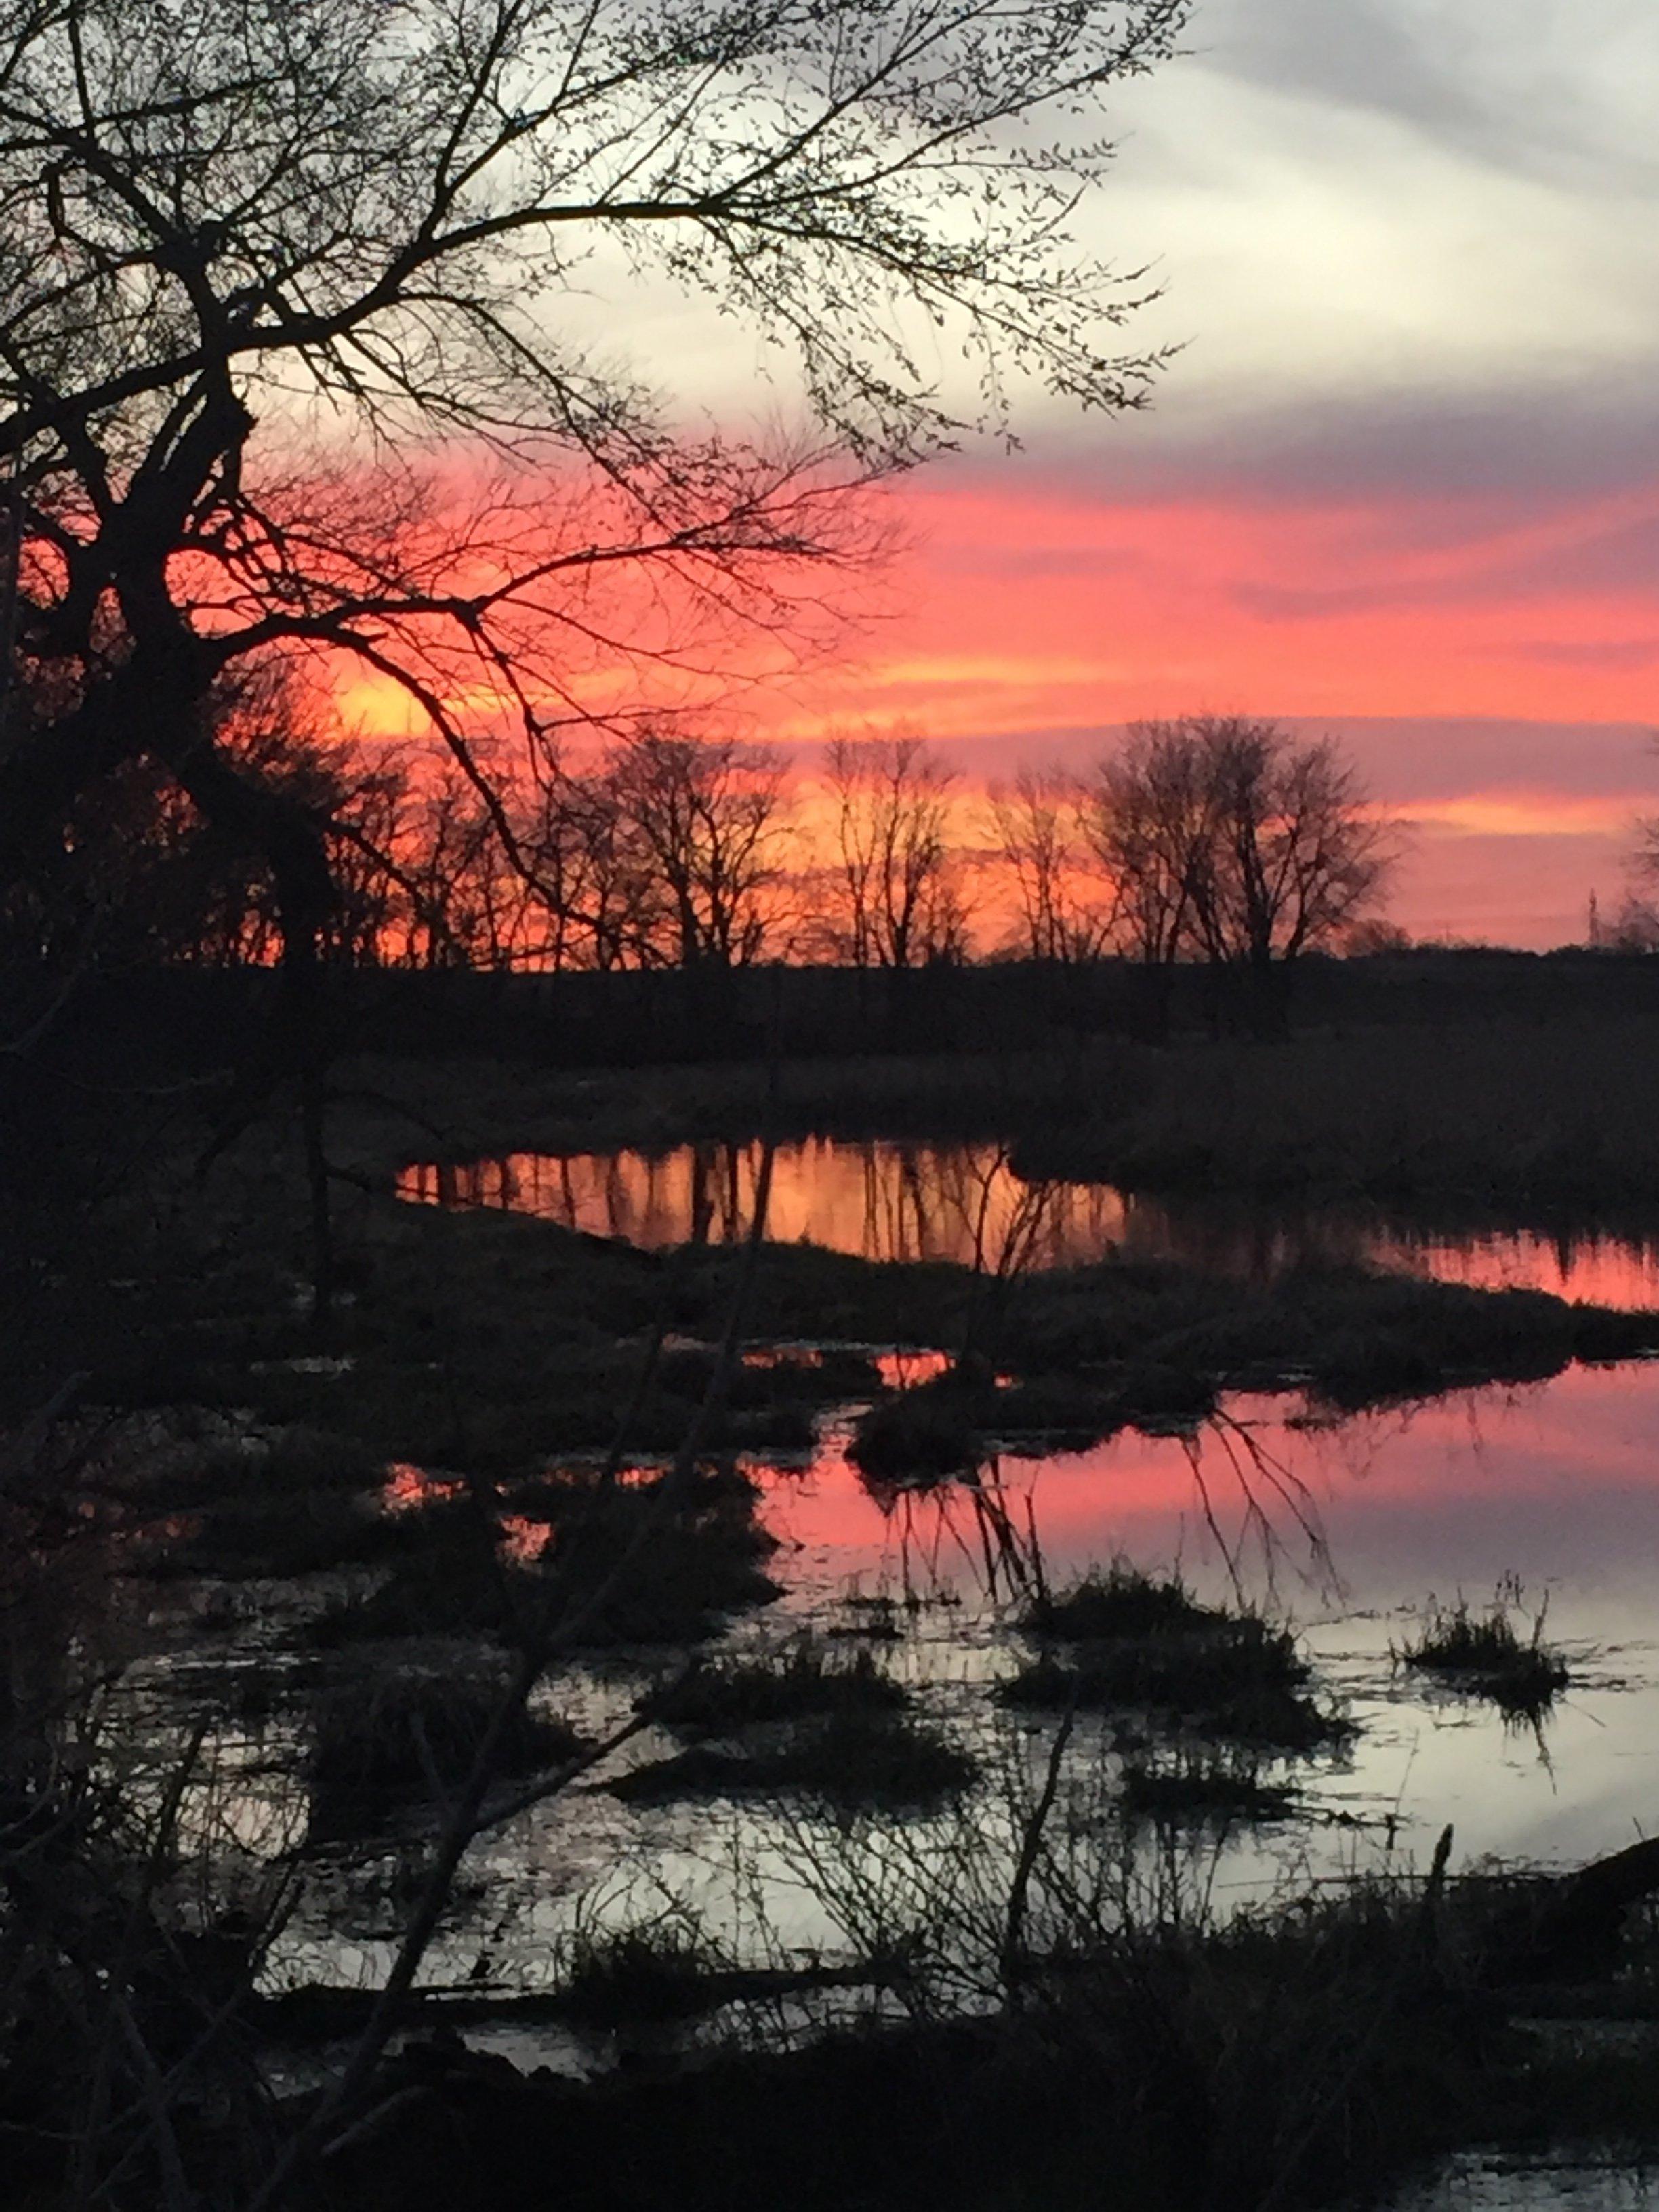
[
  {"x": 1348, "y": 1529},
  {"x": 886, "y": 1200},
  {"x": 409, "y": 1488},
  {"x": 1558, "y": 1482}
]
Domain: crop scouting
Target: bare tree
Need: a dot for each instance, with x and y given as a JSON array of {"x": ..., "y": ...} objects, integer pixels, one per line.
[
  {"x": 1295, "y": 853},
  {"x": 701, "y": 815},
  {"x": 1636, "y": 928},
  {"x": 1037, "y": 824},
  {"x": 895, "y": 898},
  {"x": 140, "y": 876},
  {"x": 266, "y": 272},
  {"x": 1149, "y": 818},
  {"x": 1226, "y": 840}
]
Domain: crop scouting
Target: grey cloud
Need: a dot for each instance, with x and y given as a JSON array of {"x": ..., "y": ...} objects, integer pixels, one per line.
[
  {"x": 1576, "y": 108},
  {"x": 1510, "y": 449},
  {"x": 1606, "y": 653},
  {"x": 1013, "y": 560},
  {"x": 1449, "y": 758},
  {"x": 1410, "y": 762},
  {"x": 1287, "y": 603},
  {"x": 1529, "y": 441},
  {"x": 1622, "y": 558},
  {"x": 1357, "y": 51}
]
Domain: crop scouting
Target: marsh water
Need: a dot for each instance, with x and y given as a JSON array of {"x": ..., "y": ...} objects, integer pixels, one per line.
[
  {"x": 886, "y": 1200},
  {"x": 1346, "y": 1529},
  {"x": 1546, "y": 1494},
  {"x": 1350, "y": 1529}
]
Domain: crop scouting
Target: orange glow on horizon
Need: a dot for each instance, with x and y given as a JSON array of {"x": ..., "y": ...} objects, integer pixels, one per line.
[{"x": 1031, "y": 615}]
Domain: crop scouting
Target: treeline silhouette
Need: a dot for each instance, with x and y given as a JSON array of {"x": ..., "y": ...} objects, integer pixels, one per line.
[
  {"x": 1223, "y": 840},
  {"x": 148, "y": 1022}
]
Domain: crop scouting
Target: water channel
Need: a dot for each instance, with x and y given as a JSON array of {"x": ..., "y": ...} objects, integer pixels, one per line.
[{"x": 884, "y": 1200}]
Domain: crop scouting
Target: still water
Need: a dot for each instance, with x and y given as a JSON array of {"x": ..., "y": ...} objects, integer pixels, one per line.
[
  {"x": 884, "y": 1200},
  {"x": 1346, "y": 1529},
  {"x": 1349, "y": 1529}
]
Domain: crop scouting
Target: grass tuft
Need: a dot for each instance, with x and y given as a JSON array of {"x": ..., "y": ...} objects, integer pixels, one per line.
[
  {"x": 387, "y": 1746},
  {"x": 1143, "y": 1644},
  {"x": 918, "y": 1439},
  {"x": 802, "y": 1682},
  {"x": 663, "y": 1972},
  {"x": 845, "y": 1760},
  {"x": 1484, "y": 1655},
  {"x": 687, "y": 1568},
  {"x": 1121, "y": 1600}
]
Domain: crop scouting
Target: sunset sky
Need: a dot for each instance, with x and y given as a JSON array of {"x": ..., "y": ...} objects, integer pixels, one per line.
[{"x": 1402, "y": 482}]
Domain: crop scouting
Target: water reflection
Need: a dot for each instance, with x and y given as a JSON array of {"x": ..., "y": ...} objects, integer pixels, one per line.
[
  {"x": 1351, "y": 1526},
  {"x": 913, "y": 1201}
]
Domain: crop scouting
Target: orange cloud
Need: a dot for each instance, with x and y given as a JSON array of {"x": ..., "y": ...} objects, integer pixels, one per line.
[
  {"x": 1035, "y": 610},
  {"x": 1034, "y": 605}
]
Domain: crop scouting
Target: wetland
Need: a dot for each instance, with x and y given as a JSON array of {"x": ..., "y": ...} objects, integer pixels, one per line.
[{"x": 924, "y": 1642}]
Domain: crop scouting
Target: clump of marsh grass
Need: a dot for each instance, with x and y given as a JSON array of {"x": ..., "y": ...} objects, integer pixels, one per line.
[
  {"x": 1203, "y": 1794},
  {"x": 660, "y": 1971},
  {"x": 800, "y": 1681},
  {"x": 1484, "y": 1655},
  {"x": 849, "y": 1759},
  {"x": 1141, "y": 1644},
  {"x": 1119, "y": 1600},
  {"x": 920, "y": 1437},
  {"x": 689, "y": 1566},
  {"x": 391, "y": 1744}
]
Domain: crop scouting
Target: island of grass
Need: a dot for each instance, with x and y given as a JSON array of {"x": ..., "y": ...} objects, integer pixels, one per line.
[
  {"x": 386, "y": 1748},
  {"x": 847, "y": 1758},
  {"x": 1201, "y": 1793},
  {"x": 798, "y": 1681},
  {"x": 1125, "y": 1642},
  {"x": 801, "y": 1720},
  {"x": 1484, "y": 1655}
]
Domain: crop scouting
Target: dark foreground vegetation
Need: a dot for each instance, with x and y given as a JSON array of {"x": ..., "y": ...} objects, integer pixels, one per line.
[{"x": 1282, "y": 2065}]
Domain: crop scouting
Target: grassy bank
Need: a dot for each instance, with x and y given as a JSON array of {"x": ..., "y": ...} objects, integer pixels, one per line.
[
  {"x": 1295, "y": 2060},
  {"x": 1542, "y": 1115},
  {"x": 491, "y": 1344}
]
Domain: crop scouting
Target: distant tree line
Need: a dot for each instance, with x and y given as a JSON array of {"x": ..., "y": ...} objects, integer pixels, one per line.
[{"x": 1225, "y": 841}]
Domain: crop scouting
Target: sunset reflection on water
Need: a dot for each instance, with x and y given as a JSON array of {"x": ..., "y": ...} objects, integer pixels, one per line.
[
  {"x": 883, "y": 1199},
  {"x": 1347, "y": 1527},
  {"x": 1558, "y": 1482}
]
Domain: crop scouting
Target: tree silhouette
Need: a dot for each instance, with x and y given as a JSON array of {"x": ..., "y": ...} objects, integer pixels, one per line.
[{"x": 287, "y": 350}]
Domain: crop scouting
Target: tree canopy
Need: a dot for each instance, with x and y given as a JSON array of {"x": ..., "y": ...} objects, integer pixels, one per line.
[{"x": 289, "y": 355}]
